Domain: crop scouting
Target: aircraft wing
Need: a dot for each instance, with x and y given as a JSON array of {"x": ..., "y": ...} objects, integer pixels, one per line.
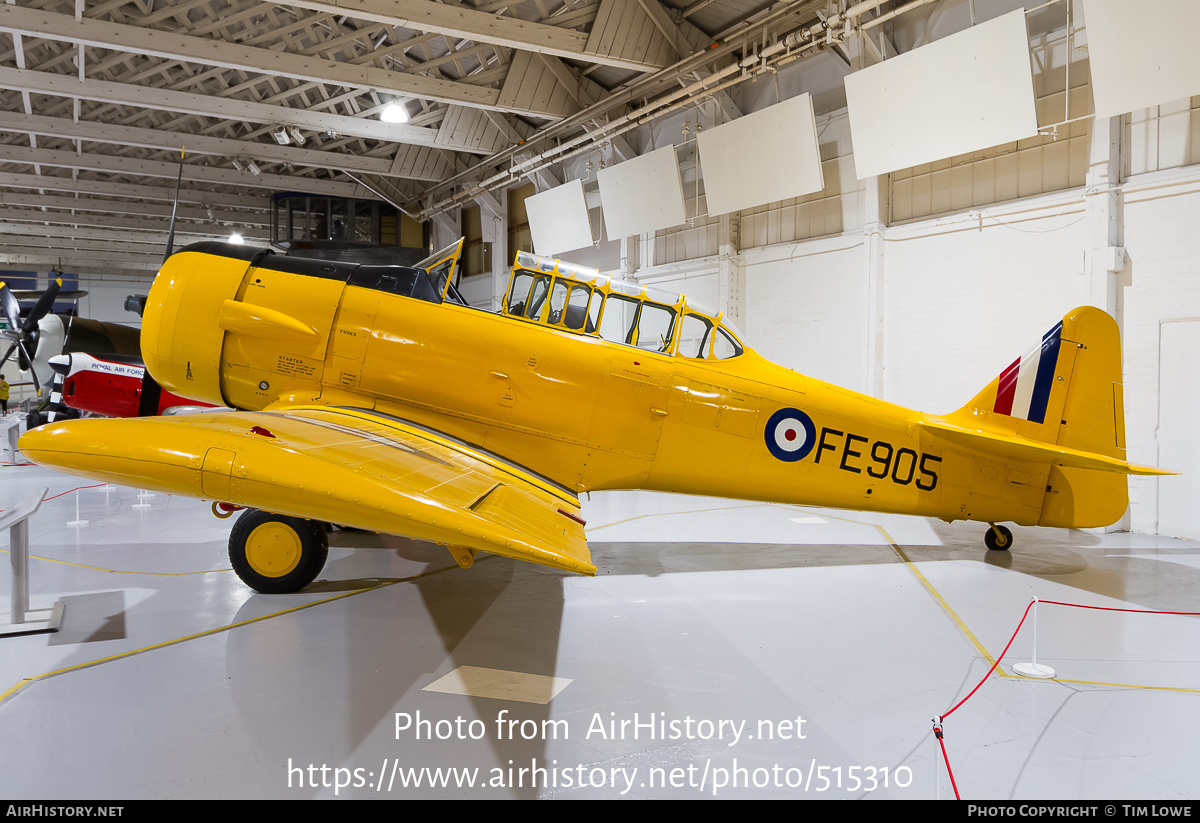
[
  {"x": 1022, "y": 448},
  {"x": 353, "y": 467}
]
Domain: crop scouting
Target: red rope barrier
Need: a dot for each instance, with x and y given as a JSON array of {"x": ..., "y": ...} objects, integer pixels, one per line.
[
  {"x": 1112, "y": 609},
  {"x": 937, "y": 723},
  {"x": 994, "y": 665},
  {"x": 68, "y": 491},
  {"x": 77, "y": 488},
  {"x": 937, "y": 731}
]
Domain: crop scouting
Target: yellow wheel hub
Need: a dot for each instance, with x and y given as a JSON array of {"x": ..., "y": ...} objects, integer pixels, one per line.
[{"x": 273, "y": 549}]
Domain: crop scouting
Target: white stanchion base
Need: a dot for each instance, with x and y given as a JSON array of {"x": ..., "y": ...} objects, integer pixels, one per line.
[
  {"x": 1034, "y": 670},
  {"x": 78, "y": 522},
  {"x": 43, "y": 624}
]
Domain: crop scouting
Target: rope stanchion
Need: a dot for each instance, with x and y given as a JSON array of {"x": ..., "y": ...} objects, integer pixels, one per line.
[
  {"x": 1034, "y": 668},
  {"x": 937, "y": 722}
]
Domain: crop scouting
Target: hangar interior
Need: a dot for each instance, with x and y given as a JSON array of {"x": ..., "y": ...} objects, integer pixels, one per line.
[{"x": 916, "y": 285}]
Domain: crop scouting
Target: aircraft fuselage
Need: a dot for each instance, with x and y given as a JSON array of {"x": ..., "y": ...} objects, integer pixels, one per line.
[{"x": 586, "y": 412}]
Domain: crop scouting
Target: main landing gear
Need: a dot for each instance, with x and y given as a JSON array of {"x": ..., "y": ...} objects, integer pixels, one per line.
[
  {"x": 998, "y": 538},
  {"x": 277, "y": 554}
]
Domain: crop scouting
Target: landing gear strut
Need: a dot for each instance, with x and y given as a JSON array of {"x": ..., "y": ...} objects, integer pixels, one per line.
[
  {"x": 277, "y": 554},
  {"x": 998, "y": 538}
]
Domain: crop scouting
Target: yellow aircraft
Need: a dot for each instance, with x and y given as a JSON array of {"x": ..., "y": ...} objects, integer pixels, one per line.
[{"x": 374, "y": 397}]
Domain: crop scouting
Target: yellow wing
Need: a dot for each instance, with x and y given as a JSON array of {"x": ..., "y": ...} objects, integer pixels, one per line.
[{"x": 347, "y": 466}]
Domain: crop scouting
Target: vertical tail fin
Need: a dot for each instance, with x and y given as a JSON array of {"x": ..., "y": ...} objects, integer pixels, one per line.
[{"x": 1066, "y": 391}]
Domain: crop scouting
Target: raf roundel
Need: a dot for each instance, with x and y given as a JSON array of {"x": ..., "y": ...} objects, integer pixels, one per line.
[{"x": 790, "y": 435}]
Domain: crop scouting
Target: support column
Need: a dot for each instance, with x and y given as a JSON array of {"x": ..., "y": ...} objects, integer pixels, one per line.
[
  {"x": 875, "y": 214},
  {"x": 494, "y": 228},
  {"x": 631, "y": 257},
  {"x": 446, "y": 229},
  {"x": 646, "y": 250},
  {"x": 1104, "y": 258},
  {"x": 731, "y": 279}
]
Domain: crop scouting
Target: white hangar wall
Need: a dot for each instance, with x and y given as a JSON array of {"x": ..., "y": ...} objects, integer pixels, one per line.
[
  {"x": 106, "y": 299},
  {"x": 925, "y": 310},
  {"x": 805, "y": 309},
  {"x": 1161, "y": 288},
  {"x": 965, "y": 297}
]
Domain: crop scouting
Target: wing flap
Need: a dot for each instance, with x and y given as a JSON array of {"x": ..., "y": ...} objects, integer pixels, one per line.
[{"x": 347, "y": 466}]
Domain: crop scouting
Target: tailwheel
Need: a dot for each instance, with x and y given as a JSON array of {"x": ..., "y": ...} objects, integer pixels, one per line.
[
  {"x": 998, "y": 538},
  {"x": 276, "y": 554}
]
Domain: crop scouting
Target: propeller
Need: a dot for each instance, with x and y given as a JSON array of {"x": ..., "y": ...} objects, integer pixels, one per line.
[
  {"x": 175, "y": 207},
  {"x": 24, "y": 335}
]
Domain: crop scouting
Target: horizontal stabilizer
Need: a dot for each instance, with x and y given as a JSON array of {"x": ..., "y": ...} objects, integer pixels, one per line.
[{"x": 1022, "y": 448}]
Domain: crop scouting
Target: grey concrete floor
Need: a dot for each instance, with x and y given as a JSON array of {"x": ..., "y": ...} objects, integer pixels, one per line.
[{"x": 726, "y": 649}]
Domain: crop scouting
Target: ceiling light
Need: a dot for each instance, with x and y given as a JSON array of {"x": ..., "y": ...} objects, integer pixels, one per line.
[
  {"x": 394, "y": 113},
  {"x": 236, "y": 239},
  {"x": 254, "y": 169},
  {"x": 239, "y": 165},
  {"x": 297, "y": 137},
  {"x": 281, "y": 136}
]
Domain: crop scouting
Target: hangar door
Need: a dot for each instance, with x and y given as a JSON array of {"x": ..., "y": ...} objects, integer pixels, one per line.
[{"x": 1178, "y": 433}]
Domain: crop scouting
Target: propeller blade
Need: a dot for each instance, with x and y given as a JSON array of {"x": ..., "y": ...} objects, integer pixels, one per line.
[
  {"x": 37, "y": 384},
  {"x": 12, "y": 309},
  {"x": 7, "y": 355},
  {"x": 175, "y": 207},
  {"x": 43, "y": 306}
]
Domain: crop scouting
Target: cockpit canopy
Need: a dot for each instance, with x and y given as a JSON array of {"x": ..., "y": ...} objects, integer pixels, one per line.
[{"x": 584, "y": 301}]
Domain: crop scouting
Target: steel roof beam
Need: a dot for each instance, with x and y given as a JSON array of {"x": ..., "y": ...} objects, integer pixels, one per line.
[
  {"x": 223, "y": 108},
  {"x": 106, "y": 188},
  {"x": 154, "y": 211},
  {"x": 116, "y": 164},
  {"x": 205, "y": 227},
  {"x": 199, "y": 144},
  {"x": 220, "y": 53},
  {"x": 477, "y": 26}
]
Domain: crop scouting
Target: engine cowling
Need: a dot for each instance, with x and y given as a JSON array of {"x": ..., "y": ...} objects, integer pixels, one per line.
[
  {"x": 220, "y": 329},
  {"x": 181, "y": 339}
]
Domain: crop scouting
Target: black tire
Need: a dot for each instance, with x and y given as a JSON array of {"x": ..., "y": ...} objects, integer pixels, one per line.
[
  {"x": 1001, "y": 544},
  {"x": 277, "y": 554}
]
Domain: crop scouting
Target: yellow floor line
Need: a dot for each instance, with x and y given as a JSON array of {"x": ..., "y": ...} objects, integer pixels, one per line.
[
  {"x": 117, "y": 571},
  {"x": 991, "y": 660},
  {"x": 27, "y": 681},
  {"x": 958, "y": 621}
]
